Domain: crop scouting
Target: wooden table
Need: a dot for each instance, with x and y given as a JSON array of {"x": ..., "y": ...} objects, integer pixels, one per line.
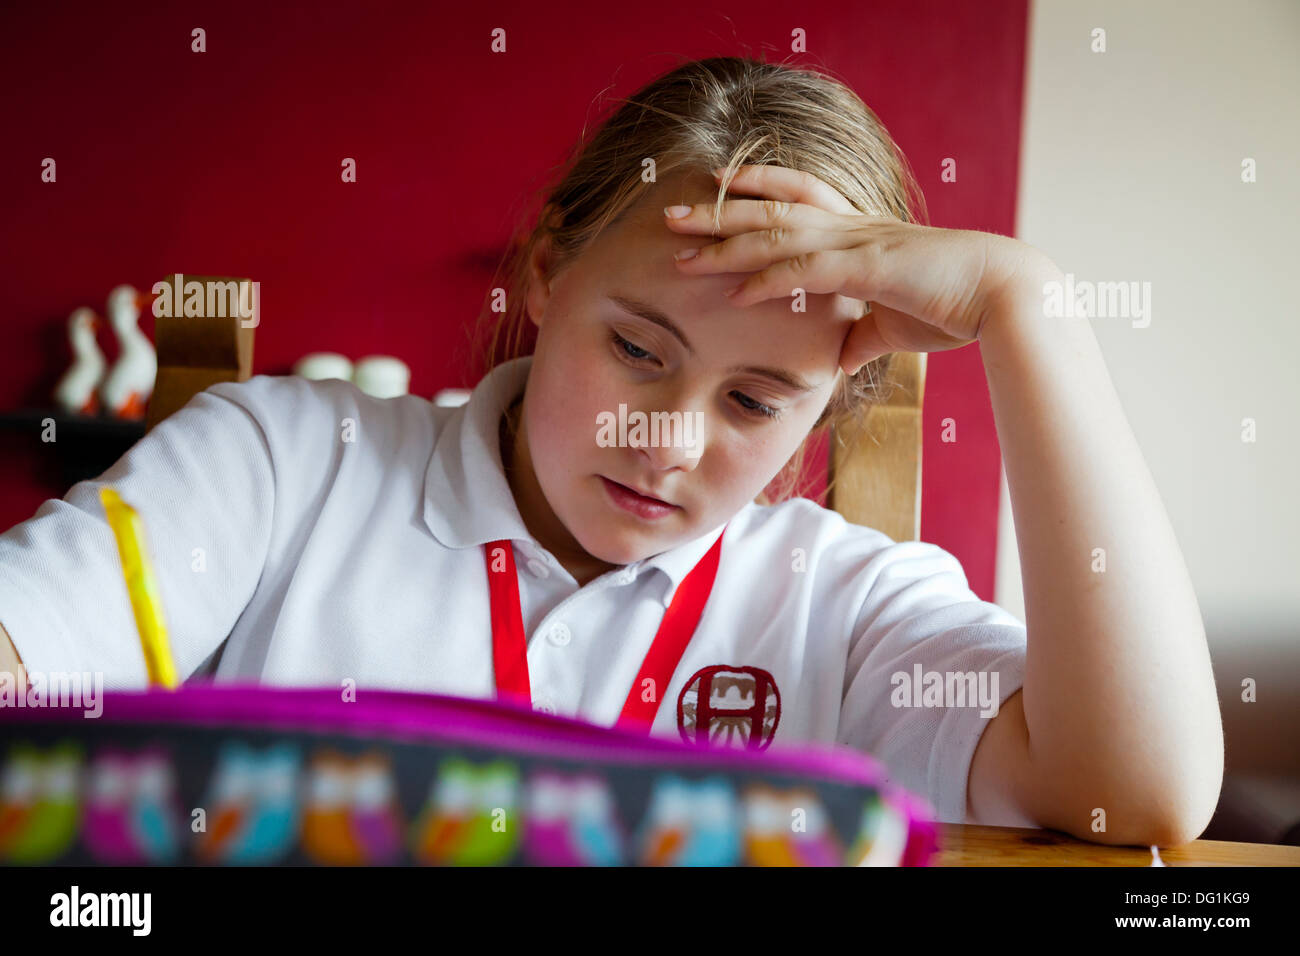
[{"x": 969, "y": 845}]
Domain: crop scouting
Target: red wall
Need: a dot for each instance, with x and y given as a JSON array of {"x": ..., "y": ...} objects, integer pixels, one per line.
[{"x": 228, "y": 163}]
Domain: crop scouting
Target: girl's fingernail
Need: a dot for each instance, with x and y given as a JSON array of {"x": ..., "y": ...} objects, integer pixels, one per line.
[
  {"x": 685, "y": 254},
  {"x": 676, "y": 212},
  {"x": 732, "y": 291}
]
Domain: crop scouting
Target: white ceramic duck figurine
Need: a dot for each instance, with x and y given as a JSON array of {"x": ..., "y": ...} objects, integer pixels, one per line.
[
  {"x": 130, "y": 382},
  {"x": 76, "y": 391}
]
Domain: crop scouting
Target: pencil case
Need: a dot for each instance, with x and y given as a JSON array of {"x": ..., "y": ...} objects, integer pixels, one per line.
[{"x": 257, "y": 775}]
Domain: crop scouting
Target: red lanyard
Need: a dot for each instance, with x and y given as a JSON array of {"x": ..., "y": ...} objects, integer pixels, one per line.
[{"x": 510, "y": 647}]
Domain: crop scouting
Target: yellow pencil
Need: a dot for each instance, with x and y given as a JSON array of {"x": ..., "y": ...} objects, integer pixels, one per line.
[{"x": 141, "y": 587}]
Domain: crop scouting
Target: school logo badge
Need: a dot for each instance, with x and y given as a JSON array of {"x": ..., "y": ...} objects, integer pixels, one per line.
[{"x": 729, "y": 705}]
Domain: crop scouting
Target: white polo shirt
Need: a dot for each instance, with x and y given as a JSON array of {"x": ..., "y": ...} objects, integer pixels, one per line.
[{"x": 304, "y": 533}]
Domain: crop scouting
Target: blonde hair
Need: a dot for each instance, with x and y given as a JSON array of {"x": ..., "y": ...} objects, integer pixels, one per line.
[{"x": 704, "y": 114}]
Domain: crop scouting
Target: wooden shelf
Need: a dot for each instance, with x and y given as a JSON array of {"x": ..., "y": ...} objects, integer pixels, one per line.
[
  {"x": 32, "y": 418},
  {"x": 84, "y": 447}
]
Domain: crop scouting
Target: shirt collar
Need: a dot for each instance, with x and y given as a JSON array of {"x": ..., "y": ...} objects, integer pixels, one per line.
[
  {"x": 468, "y": 501},
  {"x": 678, "y": 562}
]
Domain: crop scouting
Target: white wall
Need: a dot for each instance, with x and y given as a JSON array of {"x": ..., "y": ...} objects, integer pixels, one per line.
[{"x": 1131, "y": 170}]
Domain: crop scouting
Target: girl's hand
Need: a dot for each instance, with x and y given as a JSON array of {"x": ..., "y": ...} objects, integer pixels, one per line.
[{"x": 928, "y": 289}]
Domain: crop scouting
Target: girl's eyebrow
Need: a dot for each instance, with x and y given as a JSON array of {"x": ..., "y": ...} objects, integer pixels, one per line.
[{"x": 648, "y": 312}]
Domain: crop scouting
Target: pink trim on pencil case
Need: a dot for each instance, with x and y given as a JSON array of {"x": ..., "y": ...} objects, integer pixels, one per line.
[{"x": 438, "y": 717}]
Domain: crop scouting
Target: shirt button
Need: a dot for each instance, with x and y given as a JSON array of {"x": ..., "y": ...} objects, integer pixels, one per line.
[
  {"x": 538, "y": 569},
  {"x": 626, "y": 576},
  {"x": 559, "y": 634}
]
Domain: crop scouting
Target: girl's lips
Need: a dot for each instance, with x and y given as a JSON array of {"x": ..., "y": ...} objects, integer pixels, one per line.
[{"x": 637, "y": 504}]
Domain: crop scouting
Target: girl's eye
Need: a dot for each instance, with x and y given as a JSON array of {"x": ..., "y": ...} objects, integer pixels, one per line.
[
  {"x": 625, "y": 345},
  {"x": 757, "y": 407},
  {"x": 636, "y": 353}
]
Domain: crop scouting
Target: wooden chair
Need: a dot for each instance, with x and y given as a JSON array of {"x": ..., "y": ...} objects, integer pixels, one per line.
[
  {"x": 197, "y": 351},
  {"x": 878, "y": 477}
]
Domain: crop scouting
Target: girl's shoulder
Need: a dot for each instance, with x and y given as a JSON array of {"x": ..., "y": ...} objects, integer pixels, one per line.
[
  {"x": 299, "y": 412},
  {"x": 837, "y": 553},
  {"x": 803, "y": 520},
  {"x": 327, "y": 436}
]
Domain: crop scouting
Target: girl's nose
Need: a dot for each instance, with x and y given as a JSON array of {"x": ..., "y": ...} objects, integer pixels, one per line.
[{"x": 675, "y": 439}]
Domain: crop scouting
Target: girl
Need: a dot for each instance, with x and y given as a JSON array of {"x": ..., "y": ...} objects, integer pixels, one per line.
[{"x": 709, "y": 255}]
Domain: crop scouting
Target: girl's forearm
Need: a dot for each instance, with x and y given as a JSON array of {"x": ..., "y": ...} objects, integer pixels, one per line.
[{"x": 1119, "y": 698}]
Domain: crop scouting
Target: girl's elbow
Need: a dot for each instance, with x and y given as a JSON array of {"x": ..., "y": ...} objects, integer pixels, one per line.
[
  {"x": 1183, "y": 807},
  {"x": 1127, "y": 805}
]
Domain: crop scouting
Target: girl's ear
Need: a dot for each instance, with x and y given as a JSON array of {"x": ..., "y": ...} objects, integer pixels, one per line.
[
  {"x": 539, "y": 287},
  {"x": 540, "y": 265}
]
